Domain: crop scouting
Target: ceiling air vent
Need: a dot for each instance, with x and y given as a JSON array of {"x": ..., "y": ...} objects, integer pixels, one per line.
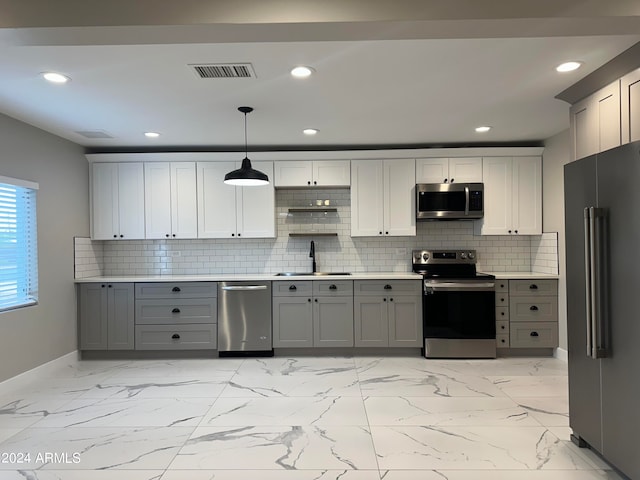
[
  {"x": 224, "y": 70},
  {"x": 94, "y": 134}
]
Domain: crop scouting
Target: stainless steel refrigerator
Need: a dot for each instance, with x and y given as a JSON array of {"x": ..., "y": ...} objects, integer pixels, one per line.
[{"x": 602, "y": 226}]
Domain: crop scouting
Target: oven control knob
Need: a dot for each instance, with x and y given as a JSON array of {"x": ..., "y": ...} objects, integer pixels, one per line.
[
  {"x": 425, "y": 256},
  {"x": 472, "y": 255},
  {"x": 463, "y": 255}
]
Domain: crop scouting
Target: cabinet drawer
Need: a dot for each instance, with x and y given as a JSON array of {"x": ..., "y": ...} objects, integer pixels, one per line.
[
  {"x": 533, "y": 309},
  {"x": 533, "y": 287},
  {"x": 534, "y": 334},
  {"x": 339, "y": 288},
  {"x": 176, "y": 337},
  {"x": 176, "y": 290},
  {"x": 292, "y": 288},
  {"x": 179, "y": 311},
  {"x": 387, "y": 287},
  {"x": 502, "y": 299},
  {"x": 502, "y": 327},
  {"x": 502, "y": 341},
  {"x": 502, "y": 285},
  {"x": 502, "y": 313}
]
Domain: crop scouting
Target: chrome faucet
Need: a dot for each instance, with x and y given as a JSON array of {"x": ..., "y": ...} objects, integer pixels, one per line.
[{"x": 312, "y": 254}]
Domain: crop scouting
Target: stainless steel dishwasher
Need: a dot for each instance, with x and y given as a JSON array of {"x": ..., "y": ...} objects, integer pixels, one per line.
[{"x": 244, "y": 319}]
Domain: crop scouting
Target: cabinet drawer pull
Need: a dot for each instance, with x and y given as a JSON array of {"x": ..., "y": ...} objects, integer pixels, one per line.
[
  {"x": 175, "y": 336},
  {"x": 391, "y": 299},
  {"x": 384, "y": 299},
  {"x": 292, "y": 287},
  {"x": 534, "y": 334},
  {"x": 332, "y": 287},
  {"x": 315, "y": 300},
  {"x": 388, "y": 287},
  {"x": 308, "y": 299},
  {"x": 175, "y": 310},
  {"x": 502, "y": 327},
  {"x": 533, "y": 308},
  {"x": 533, "y": 286},
  {"x": 175, "y": 289}
]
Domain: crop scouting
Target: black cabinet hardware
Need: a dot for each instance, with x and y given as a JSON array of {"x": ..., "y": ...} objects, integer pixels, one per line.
[
  {"x": 175, "y": 289},
  {"x": 175, "y": 336},
  {"x": 175, "y": 310}
]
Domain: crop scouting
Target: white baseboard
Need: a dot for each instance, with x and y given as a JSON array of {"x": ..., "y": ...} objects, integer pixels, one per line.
[
  {"x": 561, "y": 354},
  {"x": 43, "y": 371}
]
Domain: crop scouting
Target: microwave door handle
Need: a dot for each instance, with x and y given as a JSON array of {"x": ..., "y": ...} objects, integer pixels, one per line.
[{"x": 466, "y": 201}]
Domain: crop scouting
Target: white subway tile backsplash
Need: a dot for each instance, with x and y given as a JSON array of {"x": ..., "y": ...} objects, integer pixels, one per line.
[{"x": 284, "y": 253}]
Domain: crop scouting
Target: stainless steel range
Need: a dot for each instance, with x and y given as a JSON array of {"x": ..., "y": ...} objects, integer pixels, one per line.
[{"x": 458, "y": 305}]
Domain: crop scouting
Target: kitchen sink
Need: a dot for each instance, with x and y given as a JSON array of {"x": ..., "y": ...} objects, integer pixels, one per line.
[{"x": 310, "y": 274}]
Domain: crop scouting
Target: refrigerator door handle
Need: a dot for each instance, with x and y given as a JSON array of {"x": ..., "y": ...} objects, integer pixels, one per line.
[
  {"x": 588, "y": 261},
  {"x": 597, "y": 275}
]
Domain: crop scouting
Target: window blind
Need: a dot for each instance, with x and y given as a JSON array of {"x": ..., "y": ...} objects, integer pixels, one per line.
[{"x": 18, "y": 244}]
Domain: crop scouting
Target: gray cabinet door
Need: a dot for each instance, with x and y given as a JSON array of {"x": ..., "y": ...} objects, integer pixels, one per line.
[
  {"x": 333, "y": 322},
  {"x": 371, "y": 321},
  {"x": 93, "y": 316},
  {"x": 292, "y": 322},
  {"x": 120, "y": 314},
  {"x": 405, "y": 321}
]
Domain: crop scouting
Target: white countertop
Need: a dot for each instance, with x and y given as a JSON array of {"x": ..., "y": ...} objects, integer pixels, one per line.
[
  {"x": 521, "y": 275},
  {"x": 231, "y": 277}
]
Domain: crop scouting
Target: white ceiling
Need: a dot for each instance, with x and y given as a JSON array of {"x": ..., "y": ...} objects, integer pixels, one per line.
[{"x": 421, "y": 91}]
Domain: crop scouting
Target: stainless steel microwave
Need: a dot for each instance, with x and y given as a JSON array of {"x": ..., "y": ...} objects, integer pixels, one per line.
[{"x": 449, "y": 201}]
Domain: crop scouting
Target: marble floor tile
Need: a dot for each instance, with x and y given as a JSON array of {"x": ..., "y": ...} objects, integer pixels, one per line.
[
  {"x": 410, "y": 366},
  {"x": 474, "y": 448},
  {"x": 278, "y": 448},
  {"x": 82, "y": 475},
  {"x": 169, "y": 387},
  {"x": 23, "y": 412},
  {"x": 443, "y": 411},
  {"x": 128, "y": 412},
  {"x": 6, "y": 433},
  {"x": 532, "y": 386},
  {"x": 499, "y": 475},
  {"x": 549, "y": 411},
  {"x": 277, "y": 366},
  {"x": 430, "y": 385},
  {"x": 192, "y": 369},
  {"x": 322, "y": 411},
  {"x": 298, "y": 385},
  {"x": 150, "y": 448},
  {"x": 516, "y": 366},
  {"x": 272, "y": 475}
]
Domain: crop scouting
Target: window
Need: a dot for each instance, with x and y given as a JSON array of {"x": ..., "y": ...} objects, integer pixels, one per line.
[{"x": 18, "y": 244}]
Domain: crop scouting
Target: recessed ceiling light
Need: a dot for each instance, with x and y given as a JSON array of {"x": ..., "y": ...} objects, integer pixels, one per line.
[
  {"x": 151, "y": 134},
  {"x": 54, "y": 77},
  {"x": 483, "y": 129},
  {"x": 568, "y": 67},
  {"x": 310, "y": 131},
  {"x": 301, "y": 71}
]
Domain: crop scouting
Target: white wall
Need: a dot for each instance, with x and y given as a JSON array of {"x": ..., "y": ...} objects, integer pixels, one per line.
[
  {"x": 35, "y": 335},
  {"x": 556, "y": 156}
]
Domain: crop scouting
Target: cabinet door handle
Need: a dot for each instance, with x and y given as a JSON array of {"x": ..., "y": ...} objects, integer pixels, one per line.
[
  {"x": 380, "y": 233},
  {"x": 533, "y": 308},
  {"x": 332, "y": 287},
  {"x": 175, "y": 336},
  {"x": 121, "y": 236},
  {"x": 175, "y": 289},
  {"x": 103, "y": 286},
  {"x": 175, "y": 310},
  {"x": 452, "y": 180},
  {"x": 388, "y": 287},
  {"x": 309, "y": 182},
  {"x": 391, "y": 299},
  {"x": 509, "y": 231},
  {"x": 533, "y": 286},
  {"x": 315, "y": 183},
  {"x": 166, "y": 235},
  {"x": 292, "y": 287},
  {"x": 444, "y": 181},
  {"x": 502, "y": 327},
  {"x": 315, "y": 300},
  {"x": 534, "y": 334},
  {"x": 110, "y": 286},
  {"x": 308, "y": 299},
  {"x": 384, "y": 299}
]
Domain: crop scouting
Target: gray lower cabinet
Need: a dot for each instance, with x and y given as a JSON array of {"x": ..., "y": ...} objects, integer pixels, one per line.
[
  {"x": 176, "y": 316},
  {"x": 388, "y": 313},
  {"x": 533, "y": 313},
  {"x": 106, "y": 316},
  {"x": 312, "y": 313}
]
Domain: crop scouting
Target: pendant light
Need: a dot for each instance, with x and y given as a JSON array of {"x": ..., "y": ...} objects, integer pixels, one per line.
[{"x": 246, "y": 176}]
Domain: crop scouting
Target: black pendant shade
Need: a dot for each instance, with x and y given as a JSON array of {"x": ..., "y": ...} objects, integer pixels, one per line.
[{"x": 246, "y": 176}]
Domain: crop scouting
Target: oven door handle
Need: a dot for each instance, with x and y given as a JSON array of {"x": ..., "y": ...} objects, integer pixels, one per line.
[{"x": 453, "y": 286}]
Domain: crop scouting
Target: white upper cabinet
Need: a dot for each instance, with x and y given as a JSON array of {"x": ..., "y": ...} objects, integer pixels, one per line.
[
  {"x": 170, "y": 199},
  {"x": 512, "y": 196},
  {"x": 117, "y": 201},
  {"x": 225, "y": 211},
  {"x": 383, "y": 198},
  {"x": 317, "y": 173},
  {"x": 630, "y": 100},
  {"x": 449, "y": 170},
  {"x": 595, "y": 122}
]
